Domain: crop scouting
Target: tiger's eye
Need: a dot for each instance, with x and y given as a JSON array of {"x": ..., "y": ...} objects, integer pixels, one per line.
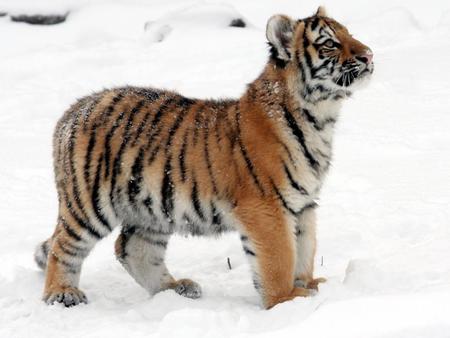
[{"x": 329, "y": 43}]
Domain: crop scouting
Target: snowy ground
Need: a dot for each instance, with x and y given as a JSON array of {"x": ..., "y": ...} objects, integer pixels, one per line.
[{"x": 384, "y": 220}]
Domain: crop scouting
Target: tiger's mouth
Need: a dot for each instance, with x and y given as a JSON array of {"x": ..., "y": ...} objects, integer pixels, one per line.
[{"x": 352, "y": 72}]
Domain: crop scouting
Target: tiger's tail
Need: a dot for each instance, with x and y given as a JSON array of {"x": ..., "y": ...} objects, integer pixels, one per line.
[{"x": 41, "y": 253}]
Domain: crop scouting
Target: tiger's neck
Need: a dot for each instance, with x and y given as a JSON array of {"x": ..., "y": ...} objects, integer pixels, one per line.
[
  {"x": 274, "y": 87},
  {"x": 306, "y": 126}
]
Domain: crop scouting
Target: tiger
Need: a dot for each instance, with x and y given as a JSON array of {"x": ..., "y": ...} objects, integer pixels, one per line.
[{"x": 156, "y": 163}]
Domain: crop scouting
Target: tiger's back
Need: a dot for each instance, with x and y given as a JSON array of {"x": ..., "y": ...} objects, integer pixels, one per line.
[{"x": 136, "y": 155}]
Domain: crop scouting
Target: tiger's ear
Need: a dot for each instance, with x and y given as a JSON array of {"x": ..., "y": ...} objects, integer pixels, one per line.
[
  {"x": 321, "y": 11},
  {"x": 279, "y": 32}
]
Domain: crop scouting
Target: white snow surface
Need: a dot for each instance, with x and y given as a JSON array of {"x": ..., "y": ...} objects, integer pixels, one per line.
[{"x": 384, "y": 216}]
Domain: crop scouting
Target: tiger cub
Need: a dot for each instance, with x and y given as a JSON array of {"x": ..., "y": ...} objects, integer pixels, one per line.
[{"x": 156, "y": 163}]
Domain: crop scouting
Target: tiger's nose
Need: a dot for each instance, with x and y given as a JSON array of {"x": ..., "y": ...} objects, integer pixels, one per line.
[{"x": 366, "y": 57}]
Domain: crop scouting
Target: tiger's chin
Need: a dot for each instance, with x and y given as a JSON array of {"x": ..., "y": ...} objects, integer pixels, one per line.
[
  {"x": 360, "y": 81},
  {"x": 363, "y": 80}
]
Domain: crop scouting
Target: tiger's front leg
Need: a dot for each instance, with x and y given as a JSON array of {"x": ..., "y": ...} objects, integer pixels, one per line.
[
  {"x": 269, "y": 243},
  {"x": 305, "y": 232}
]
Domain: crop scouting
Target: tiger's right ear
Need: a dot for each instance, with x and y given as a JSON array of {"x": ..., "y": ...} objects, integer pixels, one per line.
[{"x": 279, "y": 32}]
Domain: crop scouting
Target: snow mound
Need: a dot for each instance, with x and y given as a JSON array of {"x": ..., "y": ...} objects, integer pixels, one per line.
[
  {"x": 194, "y": 19},
  {"x": 39, "y": 19}
]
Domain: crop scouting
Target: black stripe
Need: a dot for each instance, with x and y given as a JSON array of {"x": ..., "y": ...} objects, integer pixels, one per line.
[
  {"x": 315, "y": 70},
  {"x": 117, "y": 165},
  {"x": 306, "y": 54},
  {"x": 316, "y": 124},
  {"x": 196, "y": 201},
  {"x": 65, "y": 250},
  {"x": 244, "y": 153},
  {"x": 95, "y": 196},
  {"x": 69, "y": 230},
  {"x": 274, "y": 57},
  {"x": 256, "y": 283},
  {"x": 315, "y": 23},
  {"x": 88, "y": 157},
  {"x": 83, "y": 224},
  {"x": 218, "y": 226},
  {"x": 183, "y": 103},
  {"x": 311, "y": 119},
  {"x": 134, "y": 184},
  {"x": 151, "y": 97},
  {"x": 93, "y": 135},
  {"x": 248, "y": 251},
  {"x": 216, "y": 218},
  {"x": 288, "y": 152},
  {"x": 140, "y": 128},
  {"x": 298, "y": 133},
  {"x": 182, "y": 157},
  {"x": 174, "y": 128},
  {"x": 208, "y": 160},
  {"x": 89, "y": 106},
  {"x": 107, "y": 114},
  {"x": 153, "y": 154},
  {"x": 167, "y": 192},
  {"x": 301, "y": 68},
  {"x": 293, "y": 183},
  {"x": 148, "y": 202},
  {"x": 126, "y": 233},
  {"x": 197, "y": 124},
  {"x": 108, "y": 137},
  {"x": 283, "y": 201},
  {"x": 307, "y": 206},
  {"x": 154, "y": 129},
  {"x": 75, "y": 187},
  {"x": 73, "y": 173},
  {"x": 81, "y": 251}
]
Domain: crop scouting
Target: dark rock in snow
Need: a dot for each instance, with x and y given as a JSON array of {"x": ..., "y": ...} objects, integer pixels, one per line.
[
  {"x": 238, "y": 22},
  {"x": 2, "y": 13},
  {"x": 40, "y": 19}
]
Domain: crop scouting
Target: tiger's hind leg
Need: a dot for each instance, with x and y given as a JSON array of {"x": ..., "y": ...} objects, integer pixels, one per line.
[
  {"x": 62, "y": 256},
  {"x": 142, "y": 252}
]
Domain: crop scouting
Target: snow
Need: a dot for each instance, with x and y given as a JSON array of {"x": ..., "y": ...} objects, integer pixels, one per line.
[
  {"x": 384, "y": 220},
  {"x": 198, "y": 17}
]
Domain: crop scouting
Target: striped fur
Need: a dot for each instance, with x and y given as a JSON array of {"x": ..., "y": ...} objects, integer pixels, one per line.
[{"x": 157, "y": 163}]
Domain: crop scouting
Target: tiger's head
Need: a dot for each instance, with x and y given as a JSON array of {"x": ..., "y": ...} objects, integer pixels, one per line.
[{"x": 320, "y": 53}]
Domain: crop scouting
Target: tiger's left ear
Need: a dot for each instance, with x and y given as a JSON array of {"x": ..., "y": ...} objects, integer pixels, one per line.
[
  {"x": 279, "y": 32},
  {"x": 321, "y": 11}
]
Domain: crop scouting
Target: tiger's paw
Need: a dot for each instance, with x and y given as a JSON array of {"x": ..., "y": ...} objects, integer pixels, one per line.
[
  {"x": 311, "y": 283},
  {"x": 68, "y": 296},
  {"x": 188, "y": 288}
]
